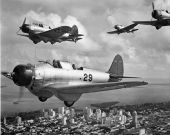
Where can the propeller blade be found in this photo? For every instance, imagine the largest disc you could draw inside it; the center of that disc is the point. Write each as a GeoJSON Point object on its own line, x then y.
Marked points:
{"type": "Point", "coordinates": [7, 74]}
{"type": "Point", "coordinates": [18, 30]}
{"type": "Point", "coordinates": [21, 93]}
{"type": "Point", "coordinates": [24, 21]}
{"type": "Point", "coordinates": [153, 6]}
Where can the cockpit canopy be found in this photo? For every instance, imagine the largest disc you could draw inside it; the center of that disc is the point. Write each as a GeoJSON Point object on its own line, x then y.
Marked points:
{"type": "Point", "coordinates": [63, 65]}
{"type": "Point", "coordinates": [41, 25]}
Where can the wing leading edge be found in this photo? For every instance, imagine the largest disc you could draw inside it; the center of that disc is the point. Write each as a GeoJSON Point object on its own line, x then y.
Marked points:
{"type": "Point", "coordinates": [127, 28]}
{"type": "Point", "coordinates": [96, 87]}
{"type": "Point", "coordinates": [145, 22]}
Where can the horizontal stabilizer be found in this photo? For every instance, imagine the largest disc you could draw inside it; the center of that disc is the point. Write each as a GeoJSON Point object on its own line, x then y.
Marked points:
{"type": "Point", "coordinates": [113, 32]}
{"type": "Point", "coordinates": [79, 35]}
{"type": "Point", "coordinates": [117, 77]}
{"type": "Point", "coordinates": [78, 39]}
{"type": "Point", "coordinates": [6, 74]}
{"type": "Point", "coordinates": [23, 35]}
{"type": "Point", "coordinates": [134, 30]}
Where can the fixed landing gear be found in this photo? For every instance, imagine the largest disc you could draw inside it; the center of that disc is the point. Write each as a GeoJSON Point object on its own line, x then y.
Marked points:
{"type": "Point", "coordinates": [158, 27]}
{"type": "Point", "coordinates": [42, 99]}
{"type": "Point", "coordinates": [68, 104]}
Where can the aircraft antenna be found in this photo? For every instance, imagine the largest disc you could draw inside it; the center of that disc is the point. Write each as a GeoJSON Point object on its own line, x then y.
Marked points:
{"type": "Point", "coordinates": [35, 54]}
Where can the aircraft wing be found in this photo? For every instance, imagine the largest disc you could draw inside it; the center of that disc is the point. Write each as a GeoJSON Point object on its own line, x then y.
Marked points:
{"type": "Point", "coordinates": [127, 28]}
{"type": "Point", "coordinates": [56, 32]}
{"type": "Point", "coordinates": [114, 32]}
{"type": "Point", "coordinates": [145, 22]}
{"type": "Point", "coordinates": [93, 87]}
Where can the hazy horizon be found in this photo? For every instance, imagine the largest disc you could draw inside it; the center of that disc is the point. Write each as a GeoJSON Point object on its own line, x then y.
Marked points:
{"type": "Point", "coordinates": [144, 94]}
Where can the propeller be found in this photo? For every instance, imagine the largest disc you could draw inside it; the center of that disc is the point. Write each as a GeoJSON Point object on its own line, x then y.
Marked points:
{"type": "Point", "coordinates": [21, 93]}
{"type": "Point", "coordinates": [153, 6]}
{"type": "Point", "coordinates": [153, 11]}
{"type": "Point", "coordinates": [23, 27]}
{"type": "Point", "coordinates": [22, 76]}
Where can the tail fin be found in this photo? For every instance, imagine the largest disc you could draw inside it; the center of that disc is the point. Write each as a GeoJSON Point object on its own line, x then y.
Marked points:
{"type": "Point", "coordinates": [116, 69]}
{"type": "Point", "coordinates": [74, 31]}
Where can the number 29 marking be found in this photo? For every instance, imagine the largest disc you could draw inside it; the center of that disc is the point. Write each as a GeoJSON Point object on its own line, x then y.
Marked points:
{"type": "Point", "coordinates": [88, 77]}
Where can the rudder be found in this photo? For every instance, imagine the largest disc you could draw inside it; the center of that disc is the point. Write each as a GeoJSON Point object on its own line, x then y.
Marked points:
{"type": "Point", "coordinates": [74, 30]}
{"type": "Point", "coordinates": [116, 68]}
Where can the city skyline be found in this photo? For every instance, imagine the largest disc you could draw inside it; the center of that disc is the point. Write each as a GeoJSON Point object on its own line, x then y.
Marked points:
{"type": "Point", "coordinates": [144, 119]}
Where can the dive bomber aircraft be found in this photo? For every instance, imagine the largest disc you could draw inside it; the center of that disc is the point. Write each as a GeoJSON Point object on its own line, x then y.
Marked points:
{"type": "Point", "coordinates": [66, 81]}
{"type": "Point", "coordinates": [162, 18]}
{"type": "Point", "coordinates": [121, 29]}
{"type": "Point", "coordinates": [38, 32]}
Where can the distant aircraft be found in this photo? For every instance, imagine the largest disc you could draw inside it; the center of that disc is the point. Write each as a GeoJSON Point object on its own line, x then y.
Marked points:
{"type": "Point", "coordinates": [38, 32]}
{"type": "Point", "coordinates": [66, 81]}
{"type": "Point", "coordinates": [121, 29]}
{"type": "Point", "coordinates": [162, 18]}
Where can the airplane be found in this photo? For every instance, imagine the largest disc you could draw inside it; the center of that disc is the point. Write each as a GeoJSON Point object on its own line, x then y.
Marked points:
{"type": "Point", "coordinates": [162, 18]}
{"type": "Point", "coordinates": [68, 82]}
{"type": "Point", "coordinates": [121, 29]}
{"type": "Point", "coordinates": [38, 32]}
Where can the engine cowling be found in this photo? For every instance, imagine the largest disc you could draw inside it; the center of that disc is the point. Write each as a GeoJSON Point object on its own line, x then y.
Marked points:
{"type": "Point", "coordinates": [22, 75]}
{"type": "Point", "coordinates": [156, 14]}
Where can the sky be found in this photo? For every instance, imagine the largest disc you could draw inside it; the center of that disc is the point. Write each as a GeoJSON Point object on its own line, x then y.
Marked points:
{"type": "Point", "coordinates": [146, 53]}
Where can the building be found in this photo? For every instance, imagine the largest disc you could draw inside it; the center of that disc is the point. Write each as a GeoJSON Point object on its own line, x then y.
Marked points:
{"type": "Point", "coordinates": [123, 120]}
{"type": "Point", "coordinates": [108, 121]}
{"type": "Point", "coordinates": [98, 114]}
{"type": "Point", "coordinates": [103, 120]}
{"type": "Point", "coordinates": [129, 114]}
{"type": "Point", "coordinates": [18, 120]}
{"type": "Point", "coordinates": [103, 114]}
{"type": "Point", "coordinates": [72, 121]}
{"type": "Point", "coordinates": [64, 120]}
{"type": "Point", "coordinates": [52, 113]}
{"type": "Point", "coordinates": [135, 122]}
{"type": "Point", "coordinates": [67, 111]}
{"type": "Point", "coordinates": [4, 121]}
{"type": "Point", "coordinates": [120, 112]}
{"type": "Point", "coordinates": [61, 111]}
{"type": "Point", "coordinates": [142, 131]}
{"type": "Point", "coordinates": [45, 113]}
{"type": "Point", "coordinates": [72, 112]}
{"type": "Point", "coordinates": [87, 113]}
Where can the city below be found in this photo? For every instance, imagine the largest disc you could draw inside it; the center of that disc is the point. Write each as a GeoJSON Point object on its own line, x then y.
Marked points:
{"type": "Point", "coordinates": [104, 119]}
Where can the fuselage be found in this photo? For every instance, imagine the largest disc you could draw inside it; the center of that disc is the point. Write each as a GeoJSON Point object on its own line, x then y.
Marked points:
{"type": "Point", "coordinates": [46, 74]}
{"type": "Point", "coordinates": [35, 29]}
{"type": "Point", "coordinates": [160, 14]}
{"type": "Point", "coordinates": [120, 29]}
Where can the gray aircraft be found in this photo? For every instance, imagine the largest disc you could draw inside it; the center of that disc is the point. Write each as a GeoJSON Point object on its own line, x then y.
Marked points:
{"type": "Point", "coordinates": [121, 29]}
{"type": "Point", "coordinates": [162, 18]}
{"type": "Point", "coordinates": [66, 81]}
{"type": "Point", "coordinates": [38, 32]}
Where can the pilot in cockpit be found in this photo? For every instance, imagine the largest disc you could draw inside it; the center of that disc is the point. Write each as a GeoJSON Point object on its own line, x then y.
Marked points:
{"type": "Point", "coordinates": [56, 64]}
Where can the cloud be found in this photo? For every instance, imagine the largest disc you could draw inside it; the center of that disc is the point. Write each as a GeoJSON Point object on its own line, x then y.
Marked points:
{"type": "Point", "coordinates": [162, 4]}
{"type": "Point", "coordinates": [142, 50]}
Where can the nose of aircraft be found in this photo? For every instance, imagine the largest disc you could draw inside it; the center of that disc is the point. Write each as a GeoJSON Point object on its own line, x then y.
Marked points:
{"type": "Point", "coordinates": [22, 75]}
{"type": "Point", "coordinates": [116, 26]}
{"type": "Point", "coordinates": [25, 28]}
{"type": "Point", "coordinates": [155, 14]}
